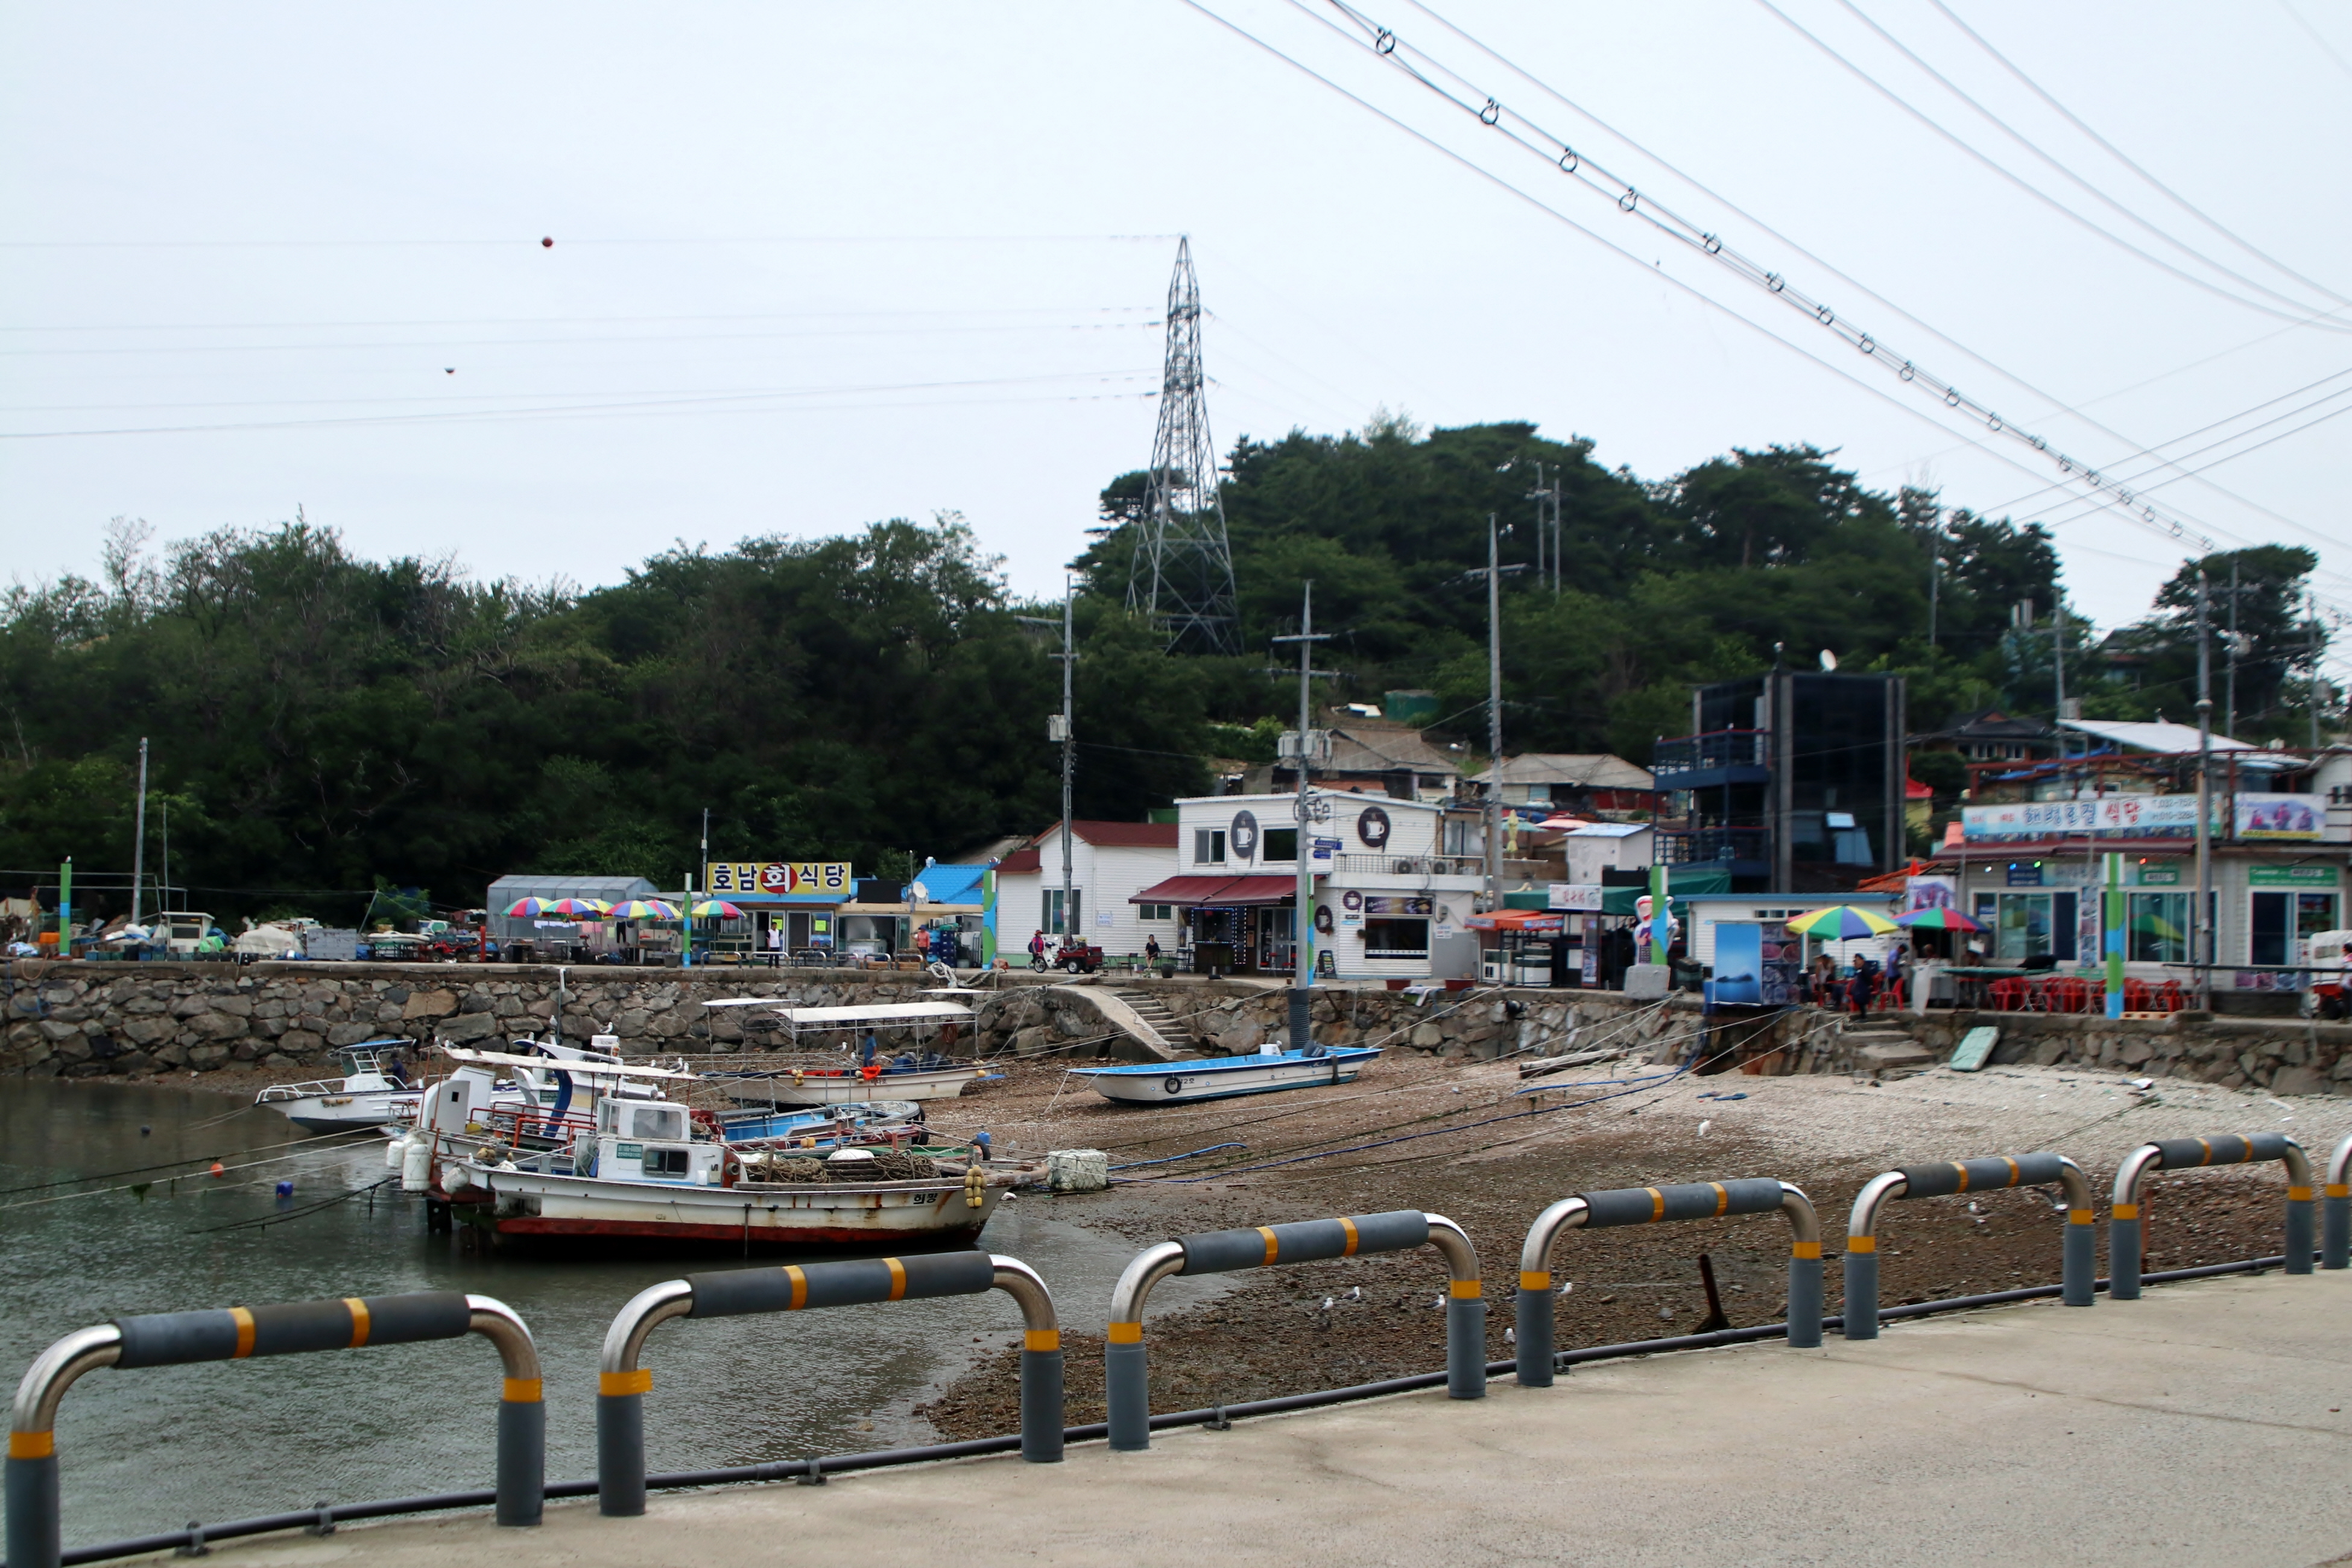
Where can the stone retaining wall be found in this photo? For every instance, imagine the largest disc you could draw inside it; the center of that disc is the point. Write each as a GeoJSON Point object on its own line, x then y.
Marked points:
{"type": "Point", "coordinates": [2284, 1056]}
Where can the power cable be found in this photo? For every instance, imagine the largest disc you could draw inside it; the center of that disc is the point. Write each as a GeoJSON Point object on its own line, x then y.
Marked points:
{"type": "Point", "coordinates": [2035, 191]}
{"type": "Point", "coordinates": [2316, 37]}
{"type": "Point", "coordinates": [1383, 43]}
{"type": "Point", "coordinates": [2030, 146]}
{"type": "Point", "coordinates": [2120, 156]}
{"type": "Point", "coordinates": [150, 349]}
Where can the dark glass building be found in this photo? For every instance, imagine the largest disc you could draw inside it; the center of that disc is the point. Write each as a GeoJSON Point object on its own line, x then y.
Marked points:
{"type": "Point", "coordinates": [1793, 781]}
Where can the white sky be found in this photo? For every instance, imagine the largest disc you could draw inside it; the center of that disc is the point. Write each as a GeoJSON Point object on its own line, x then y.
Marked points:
{"type": "Point", "coordinates": [842, 262]}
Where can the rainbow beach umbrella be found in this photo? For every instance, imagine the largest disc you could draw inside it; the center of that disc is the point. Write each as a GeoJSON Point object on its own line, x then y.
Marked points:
{"type": "Point", "coordinates": [527, 908]}
{"type": "Point", "coordinates": [586, 909]}
{"type": "Point", "coordinates": [1841, 922]}
{"type": "Point", "coordinates": [643, 910]}
{"type": "Point", "coordinates": [717, 909]}
{"type": "Point", "coordinates": [1937, 920]}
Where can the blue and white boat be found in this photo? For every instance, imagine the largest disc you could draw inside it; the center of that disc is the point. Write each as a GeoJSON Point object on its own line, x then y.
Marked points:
{"type": "Point", "coordinates": [1221, 1077]}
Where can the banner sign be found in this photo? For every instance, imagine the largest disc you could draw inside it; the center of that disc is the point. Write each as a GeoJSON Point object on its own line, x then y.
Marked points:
{"type": "Point", "coordinates": [2291, 877]}
{"type": "Point", "coordinates": [752, 877]}
{"type": "Point", "coordinates": [1581, 897]}
{"type": "Point", "coordinates": [2268, 817]}
{"type": "Point", "coordinates": [1376, 905]}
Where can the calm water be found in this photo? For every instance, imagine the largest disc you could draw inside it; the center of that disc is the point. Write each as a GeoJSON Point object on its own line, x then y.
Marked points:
{"type": "Point", "coordinates": [152, 1448]}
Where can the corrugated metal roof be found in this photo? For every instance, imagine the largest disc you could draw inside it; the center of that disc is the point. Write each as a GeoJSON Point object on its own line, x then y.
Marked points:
{"type": "Point", "coordinates": [2161, 736]}
{"type": "Point", "coordinates": [1596, 770]}
{"type": "Point", "coordinates": [523, 886]}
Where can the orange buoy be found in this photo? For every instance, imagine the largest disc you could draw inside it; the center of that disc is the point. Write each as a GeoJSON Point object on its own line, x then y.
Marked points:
{"type": "Point", "coordinates": [218, 1169]}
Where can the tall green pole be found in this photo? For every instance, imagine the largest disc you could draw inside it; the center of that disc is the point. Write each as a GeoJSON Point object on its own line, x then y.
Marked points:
{"type": "Point", "coordinates": [65, 909]}
{"type": "Point", "coordinates": [2115, 930]}
{"type": "Point", "coordinates": [1661, 914]}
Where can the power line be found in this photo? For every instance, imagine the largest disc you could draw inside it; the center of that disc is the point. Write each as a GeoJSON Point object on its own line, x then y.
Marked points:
{"type": "Point", "coordinates": [2028, 187]}
{"type": "Point", "coordinates": [119, 351]}
{"type": "Point", "coordinates": [2316, 37]}
{"type": "Point", "coordinates": [2124, 158]}
{"type": "Point", "coordinates": [2030, 146]}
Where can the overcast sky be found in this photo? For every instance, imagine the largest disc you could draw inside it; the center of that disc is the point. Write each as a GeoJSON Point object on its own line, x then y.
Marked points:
{"type": "Point", "coordinates": [818, 265]}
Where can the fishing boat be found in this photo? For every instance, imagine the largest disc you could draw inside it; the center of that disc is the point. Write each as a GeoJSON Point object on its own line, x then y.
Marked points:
{"type": "Point", "coordinates": [915, 1074]}
{"type": "Point", "coordinates": [378, 1089]}
{"type": "Point", "coordinates": [831, 1125]}
{"type": "Point", "coordinates": [1187, 1083]}
{"type": "Point", "coordinates": [644, 1176]}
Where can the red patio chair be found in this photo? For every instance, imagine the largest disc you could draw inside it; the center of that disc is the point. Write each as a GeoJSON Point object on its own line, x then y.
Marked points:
{"type": "Point", "coordinates": [2068, 993]}
{"type": "Point", "coordinates": [2009, 996]}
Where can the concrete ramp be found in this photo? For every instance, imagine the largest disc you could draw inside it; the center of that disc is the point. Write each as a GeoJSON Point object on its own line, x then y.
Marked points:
{"type": "Point", "coordinates": [1141, 1041]}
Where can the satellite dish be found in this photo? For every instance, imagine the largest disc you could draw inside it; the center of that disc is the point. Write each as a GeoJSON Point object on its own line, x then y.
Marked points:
{"type": "Point", "coordinates": [1829, 660]}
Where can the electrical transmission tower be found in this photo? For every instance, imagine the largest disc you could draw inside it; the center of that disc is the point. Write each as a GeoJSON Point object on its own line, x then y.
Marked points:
{"type": "Point", "coordinates": [1182, 572]}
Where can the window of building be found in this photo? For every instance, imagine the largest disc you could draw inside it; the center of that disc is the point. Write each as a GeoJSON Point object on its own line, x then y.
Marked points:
{"type": "Point", "coordinates": [1050, 916]}
{"type": "Point", "coordinates": [2283, 925]}
{"type": "Point", "coordinates": [2028, 925]}
{"type": "Point", "coordinates": [1396, 939]}
{"type": "Point", "coordinates": [1156, 911]}
{"type": "Point", "coordinates": [2157, 929]}
{"type": "Point", "coordinates": [1281, 843]}
{"type": "Point", "coordinates": [1208, 846]}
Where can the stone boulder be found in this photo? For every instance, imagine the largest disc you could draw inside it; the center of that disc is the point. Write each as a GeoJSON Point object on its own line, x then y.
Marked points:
{"type": "Point", "coordinates": [429, 1005]}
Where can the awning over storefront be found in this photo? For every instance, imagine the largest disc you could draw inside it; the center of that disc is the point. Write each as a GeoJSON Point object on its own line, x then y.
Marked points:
{"type": "Point", "coordinates": [1219, 892]}
{"type": "Point", "coordinates": [1527, 923]}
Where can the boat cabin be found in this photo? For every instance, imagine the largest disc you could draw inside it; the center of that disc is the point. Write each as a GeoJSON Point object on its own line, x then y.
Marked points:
{"type": "Point", "coordinates": [641, 1143]}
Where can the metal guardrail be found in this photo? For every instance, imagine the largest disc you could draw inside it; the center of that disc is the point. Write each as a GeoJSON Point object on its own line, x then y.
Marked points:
{"type": "Point", "coordinates": [621, 1384]}
{"type": "Point", "coordinates": [1126, 1369]}
{"type": "Point", "coordinates": [235, 1334]}
{"type": "Point", "coordinates": [2078, 1257]}
{"type": "Point", "coordinates": [2190, 1154]}
{"type": "Point", "coordinates": [1653, 1206]}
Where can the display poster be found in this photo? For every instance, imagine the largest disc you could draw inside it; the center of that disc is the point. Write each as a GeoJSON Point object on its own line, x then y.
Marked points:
{"type": "Point", "coordinates": [1784, 964]}
{"type": "Point", "coordinates": [754, 877]}
{"type": "Point", "coordinates": [1377, 904]}
{"type": "Point", "coordinates": [2274, 817]}
{"type": "Point", "coordinates": [1931, 893]}
{"type": "Point", "coordinates": [1740, 962]}
{"type": "Point", "coordinates": [1578, 897]}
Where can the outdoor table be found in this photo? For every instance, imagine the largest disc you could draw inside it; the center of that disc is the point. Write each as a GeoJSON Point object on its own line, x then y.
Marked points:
{"type": "Point", "coordinates": [1972, 985]}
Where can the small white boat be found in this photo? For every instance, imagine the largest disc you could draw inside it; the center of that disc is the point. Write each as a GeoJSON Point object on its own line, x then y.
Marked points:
{"type": "Point", "coordinates": [644, 1175]}
{"type": "Point", "coordinates": [374, 1091]}
{"type": "Point", "coordinates": [1184, 1083]}
{"type": "Point", "coordinates": [848, 1086]}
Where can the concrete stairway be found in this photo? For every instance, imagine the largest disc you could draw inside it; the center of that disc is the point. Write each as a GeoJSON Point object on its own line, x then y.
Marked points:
{"type": "Point", "coordinates": [1880, 1047]}
{"type": "Point", "coordinates": [1165, 1029]}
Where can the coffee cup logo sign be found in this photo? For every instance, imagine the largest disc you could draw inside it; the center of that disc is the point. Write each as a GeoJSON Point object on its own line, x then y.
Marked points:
{"type": "Point", "coordinates": [1372, 827]}
{"type": "Point", "coordinates": [1242, 837]}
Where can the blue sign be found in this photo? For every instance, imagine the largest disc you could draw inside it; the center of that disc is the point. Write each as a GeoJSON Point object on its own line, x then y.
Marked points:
{"type": "Point", "coordinates": [2025, 873]}
{"type": "Point", "coordinates": [1740, 962]}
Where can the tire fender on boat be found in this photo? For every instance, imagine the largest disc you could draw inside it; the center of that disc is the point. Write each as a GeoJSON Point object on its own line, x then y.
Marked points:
{"type": "Point", "coordinates": [1173, 1084]}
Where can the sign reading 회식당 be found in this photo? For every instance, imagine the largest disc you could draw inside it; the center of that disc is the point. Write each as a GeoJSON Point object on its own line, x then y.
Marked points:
{"type": "Point", "coordinates": [752, 878]}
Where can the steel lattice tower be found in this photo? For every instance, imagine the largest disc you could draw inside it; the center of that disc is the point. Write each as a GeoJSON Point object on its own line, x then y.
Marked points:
{"type": "Point", "coordinates": [1182, 572]}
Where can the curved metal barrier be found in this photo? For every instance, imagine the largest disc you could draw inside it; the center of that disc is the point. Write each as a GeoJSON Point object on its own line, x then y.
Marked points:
{"type": "Point", "coordinates": [2335, 1210]}
{"type": "Point", "coordinates": [2188, 1153]}
{"type": "Point", "coordinates": [233, 1333]}
{"type": "Point", "coordinates": [1655, 1205]}
{"type": "Point", "coordinates": [621, 1384]}
{"type": "Point", "coordinates": [1949, 1178]}
{"type": "Point", "coordinates": [1126, 1369]}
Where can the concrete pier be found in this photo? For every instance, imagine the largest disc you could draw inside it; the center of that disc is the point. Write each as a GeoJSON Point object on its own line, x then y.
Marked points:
{"type": "Point", "coordinates": [2210, 1421]}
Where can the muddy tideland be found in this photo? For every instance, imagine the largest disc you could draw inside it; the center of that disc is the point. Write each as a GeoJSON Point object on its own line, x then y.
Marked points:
{"type": "Point", "coordinates": [1462, 1139]}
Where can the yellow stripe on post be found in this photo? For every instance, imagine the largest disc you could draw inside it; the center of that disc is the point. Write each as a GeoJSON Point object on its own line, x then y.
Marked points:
{"type": "Point", "coordinates": [2013, 1172]}
{"type": "Point", "coordinates": [1464, 1289]}
{"type": "Point", "coordinates": [32, 1445]}
{"type": "Point", "coordinates": [799, 1286]}
{"type": "Point", "coordinates": [1804, 1249]}
{"type": "Point", "coordinates": [243, 1317]}
{"type": "Point", "coordinates": [1042, 1339]}
{"type": "Point", "coordinates": [1534, 1281]}
{"type": "Point", "coordinates": [1963, 1172]}
{"type": "Point", "coordinates": [1273, 1242]}
{"type": "Point", "coordinates": [1722, 1198]}
{"type": "Point", "coordinates": [1657, 1205]}
{"type": "Point", "coordinates": [2339, 1189]}
{"type": "Point", "coordinates": [619, 1383]}
{"type": "Point", "coordinates": [2123, 1211]}
{"type": "Point", "coordinates": [2081, 1216]}
{"type": "Point", "coordinates": [1124, 1333]}
{"type": "Point", "coordinates": [2206, 1144]}
{"type": "Point", "coordinates": [1857, 1244]}
{"type": "Point", "coordinates": [360, 1321]}
{"type": "Point", "coordinates": [2298, 1195]}
{"type": "Point", "coordinates": [1349, 1227]}
{"type": "Point", "coordinates": [897, 1278]}
{"type": "Point", "coordinates": [522, 1391]}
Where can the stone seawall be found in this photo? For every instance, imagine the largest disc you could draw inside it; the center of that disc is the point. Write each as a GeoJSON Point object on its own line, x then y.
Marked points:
{"type": "Point", "coordinates": [2286, 1056]}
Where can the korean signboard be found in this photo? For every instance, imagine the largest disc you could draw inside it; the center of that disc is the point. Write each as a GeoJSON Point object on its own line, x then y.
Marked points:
{"type": "Point", "coordinates": [2268, 817]}
{"type": "Point", "coordinates": [771, 878]}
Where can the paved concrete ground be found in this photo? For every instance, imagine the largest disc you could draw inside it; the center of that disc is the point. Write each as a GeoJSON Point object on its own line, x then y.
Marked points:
{"type": "Point", "coordinates": [2209, 1422]}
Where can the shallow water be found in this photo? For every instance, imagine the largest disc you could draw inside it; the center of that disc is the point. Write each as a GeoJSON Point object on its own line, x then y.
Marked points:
{"type": "Point", "coordinates": [152, 1448]}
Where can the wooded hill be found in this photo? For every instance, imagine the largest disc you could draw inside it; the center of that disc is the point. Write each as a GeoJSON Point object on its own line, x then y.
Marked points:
{"type": "Point", "coordinates": [322, 725]}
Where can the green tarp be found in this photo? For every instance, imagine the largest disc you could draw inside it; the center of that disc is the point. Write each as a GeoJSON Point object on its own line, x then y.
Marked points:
{"type": "Point", "coordinates": [1681, 881]}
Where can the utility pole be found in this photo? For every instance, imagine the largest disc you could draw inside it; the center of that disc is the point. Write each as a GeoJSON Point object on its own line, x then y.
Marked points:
{"type": "Point", "coordinates": [1069, 759]}
{"type": "Point", "coordinates": [1935, 573]}
{"type": "Point", "coordinates": [686, 954]}
{"type": "Point", "coordinates": [1302, 941]}
{"type": "Point", "coordinates": [2202, 925]}
{"type": "Point", "coordinates": [139, 836]}
{"type": "Point", "coordinates": [1494, 715]}
{"type": "Point", "coordinates": [2230, 724]}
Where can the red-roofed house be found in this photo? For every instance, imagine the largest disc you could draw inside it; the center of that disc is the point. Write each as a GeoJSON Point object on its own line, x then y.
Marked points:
{"type": "Point", "coordinates": [1109, 863]}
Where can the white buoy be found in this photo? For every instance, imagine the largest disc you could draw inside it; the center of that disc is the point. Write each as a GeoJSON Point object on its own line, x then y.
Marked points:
{"type": "Point", "coordinates": [394, 1149]}
{"type": "Point", "coordinates": [416, 1163]}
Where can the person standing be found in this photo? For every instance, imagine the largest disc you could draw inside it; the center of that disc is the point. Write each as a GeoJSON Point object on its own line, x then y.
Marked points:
{"type": "Point", "coordinates": [1037, 950]}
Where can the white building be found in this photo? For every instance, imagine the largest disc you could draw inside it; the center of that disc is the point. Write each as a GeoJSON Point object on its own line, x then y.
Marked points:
{"type": "Point", "coordinates": [1605, 845]}
{"type": "Point", "coordinates": [1388, 903]}
{"type": "Point", "coordinates": [1109, 863]}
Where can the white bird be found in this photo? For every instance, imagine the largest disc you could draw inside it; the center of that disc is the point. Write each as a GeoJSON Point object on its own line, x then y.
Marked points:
{"type": "Point", "coordinates": [1327, 1303]}
{"type": "Point", "coordinates": [1510, 1337]}
{"type": "Point", "coordinates": [1357, 1294]}
{"type": "Point", "coordinates": [1566, 1286]}
{"type": "Point", "coordinates": [1441, 1303]}
{"type": "Point", "coordinates": [1704, 1126]}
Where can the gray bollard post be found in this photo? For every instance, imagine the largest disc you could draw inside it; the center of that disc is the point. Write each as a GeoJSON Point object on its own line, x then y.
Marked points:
{"type": "Point", "coordinates": [1860, 1287]}
{"type": "Point", "coordinates": [2299, 1224]}
{"type": "Point", "coordinates": [1128, 1392]}
{"type": "Point", "coordinates": [2123, 1252]}
{"type": "Point", "coordinates": [1805, 1295]}
{"type": "Point", "coordinates": [32, 1501]}
{"type": "Point", "coordinates": [1466, 1341]}
{"type": "Point", "coordinates": [1532, 1318]}
{"type": "Point", "coordinates": [621, 1442]}
{"type": "Point", "coordinates": [2079, 1265]}
{"type": "Point", "coordinates": [2123, 1232]}
{"type": "Point", "coordinates": [1041, 1396]}
{"type": "Point", "coordinates": [522, 1453]}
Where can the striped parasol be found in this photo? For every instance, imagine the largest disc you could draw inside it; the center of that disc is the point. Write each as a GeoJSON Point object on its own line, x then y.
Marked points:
{"type": "Point", "coordinates": [643, 910]}
{"type": "Point", "coordinates": [1841, 922]}
{"type": "Point", "coordinates": [1944, 919]}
